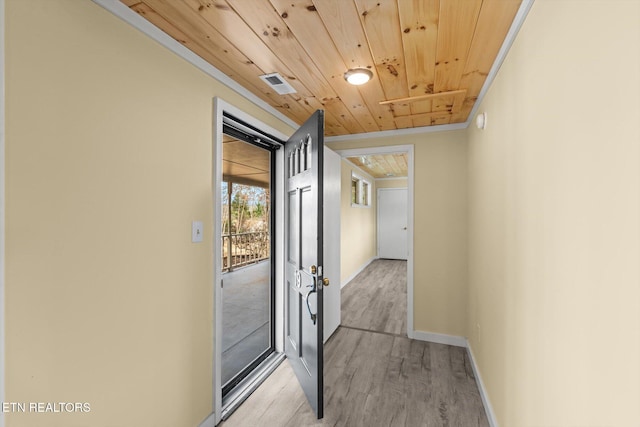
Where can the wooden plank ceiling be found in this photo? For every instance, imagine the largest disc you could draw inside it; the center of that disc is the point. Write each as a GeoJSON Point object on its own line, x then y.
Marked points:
{"type": "Point", "coordinates": [382, 165]}
{"type": "Point", "coordinates": [243, 163]}
{"type": "Point", "coordinates": [429, 58]}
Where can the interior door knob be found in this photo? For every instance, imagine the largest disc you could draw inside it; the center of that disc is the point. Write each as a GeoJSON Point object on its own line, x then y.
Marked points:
{"type": "Point", "coordinates": [325, 281]}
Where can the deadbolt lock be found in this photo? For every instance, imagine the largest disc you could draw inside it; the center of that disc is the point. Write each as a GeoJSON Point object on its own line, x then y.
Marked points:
{"type": "Point", "coordinates": [313, 269]}
{"type": "Point", "coordinates": [325, 281]}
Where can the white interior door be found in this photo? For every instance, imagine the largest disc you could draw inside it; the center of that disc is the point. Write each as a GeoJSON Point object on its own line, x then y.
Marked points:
{"type": "Point", "coordinates": [392, 223]}
{"type": "Point", "coordinates": [332, 178]}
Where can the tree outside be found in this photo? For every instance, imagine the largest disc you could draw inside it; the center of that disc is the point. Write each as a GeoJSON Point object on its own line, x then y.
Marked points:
{"type": "Point", "coordinates": [246, 231]}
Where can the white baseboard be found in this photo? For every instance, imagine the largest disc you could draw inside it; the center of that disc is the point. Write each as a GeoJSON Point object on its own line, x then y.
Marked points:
{"type": "Point", "coordinates": [210, 421]}
{"type": "Point", "coordinates": [353, 276]}
{"type": "Point", "coordinates": [493, 422]}
{"type": "Point", "coordinates": [440, 338]}
{"type": "Point", "coordinates": [462, 342]}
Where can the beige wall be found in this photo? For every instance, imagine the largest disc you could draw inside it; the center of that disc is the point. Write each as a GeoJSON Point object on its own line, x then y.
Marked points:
{"type": "Point", "coordinates": [358, 233]}
{"type": "Point", "coordinates": [440, 242]}
{"type": "Point", "coordinates": [108, 152]}
{"type": "Point", "coordinates": [392, 183]}
{"type": "Point", "coordinates": [554, 190]}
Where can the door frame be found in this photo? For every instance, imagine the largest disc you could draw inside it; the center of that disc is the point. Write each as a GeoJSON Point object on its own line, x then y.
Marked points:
{"type": "Point", "coordinates": [219, 108]}
{"type": "Point", "coordinates": [389, 149]}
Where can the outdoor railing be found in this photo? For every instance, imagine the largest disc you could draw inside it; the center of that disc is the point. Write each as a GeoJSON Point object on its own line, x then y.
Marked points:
{"type": "Point", "coordinates": [243, 249]}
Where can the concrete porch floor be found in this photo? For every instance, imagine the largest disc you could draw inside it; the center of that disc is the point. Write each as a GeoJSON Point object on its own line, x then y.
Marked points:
{"type": "Point", "coordinates": [245, 316]}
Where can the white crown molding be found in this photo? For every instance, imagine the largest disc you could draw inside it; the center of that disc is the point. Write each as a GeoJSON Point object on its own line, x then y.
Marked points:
{"type": "Point", "coordinates": [396, 132]}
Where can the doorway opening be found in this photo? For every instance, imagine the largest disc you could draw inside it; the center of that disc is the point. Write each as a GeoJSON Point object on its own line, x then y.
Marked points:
{"type": "Point", "coordinates": [248, 326]}
{"type": "Point", "coordinates": [255, 186]}
{"type": "Point", "coordinates": [247, 253]}
{"type": "Point", "coordinates": [392, 259]}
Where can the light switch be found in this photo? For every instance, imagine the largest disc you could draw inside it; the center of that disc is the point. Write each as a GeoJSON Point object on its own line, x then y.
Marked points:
{"type": "Point", "coordinates": [196, 231]}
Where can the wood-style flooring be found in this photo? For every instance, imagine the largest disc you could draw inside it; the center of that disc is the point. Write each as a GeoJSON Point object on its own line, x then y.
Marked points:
{"type": "Point", "coordinates": [374, 377]}
{"type": "Point", "coordinates": [376, 299]}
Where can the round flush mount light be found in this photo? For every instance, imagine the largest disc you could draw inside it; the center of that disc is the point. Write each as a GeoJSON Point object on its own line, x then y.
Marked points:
{"type": "Point", "coordinates": [358, 76]}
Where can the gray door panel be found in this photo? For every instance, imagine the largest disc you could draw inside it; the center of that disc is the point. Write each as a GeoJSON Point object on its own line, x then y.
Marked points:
{"type": "Point", "coordinates": [303, 270]}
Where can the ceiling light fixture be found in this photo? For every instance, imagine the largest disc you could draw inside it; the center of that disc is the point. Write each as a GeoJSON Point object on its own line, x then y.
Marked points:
{"type": "Point", "coordinates": [358, 76]}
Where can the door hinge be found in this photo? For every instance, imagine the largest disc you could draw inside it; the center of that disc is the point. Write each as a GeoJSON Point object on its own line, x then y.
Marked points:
{"type": "Point", "coordinates": [221, 283]}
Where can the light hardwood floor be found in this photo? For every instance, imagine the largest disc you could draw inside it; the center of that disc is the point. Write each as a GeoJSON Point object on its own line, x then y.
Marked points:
{"type": "Point", "coordinates": [376, 299]}
{"type": "Point", "coordinates": [373, 378]}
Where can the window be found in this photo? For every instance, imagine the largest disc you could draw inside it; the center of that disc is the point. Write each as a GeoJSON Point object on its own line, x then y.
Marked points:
{"type": "Point", "coordinates": [355, 190]}
{"type": "Point", "coordinates": [360, 191]}
{"type": "Point", "coordinates": [365, 193]}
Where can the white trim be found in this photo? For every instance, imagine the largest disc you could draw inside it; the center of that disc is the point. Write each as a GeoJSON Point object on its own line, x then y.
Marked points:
{"type": "Point", "coordinates": [346, 281]}
{"type": "Point", "coordinates": [491, 416]}
{"type": "Point", "coordinates": [219, 107]}
{"type": "Point", "coordinates": [2, 208]}
{"type": "Point", "coordinates": [453, 340]}
{"type": "Point", "coordinates": [210, 421]}
{"type": "Point", "coordinates": [387, 149]}
{"type": "Point", "coordinates": [362, 174]}
{"type": "Point", "coordinates": [391, 178]}
{"type": "Point", "coordinates": [458, 341]}
{"type": "Point", "coordinates": [410, 231]}
{"type": "Point", "coordinates": [396, 132]}
{"type": "Point", "coordinates": [409, 149]}
{"type": "Point", "coordinates": [123, 12]}
{"type": "Point", "coordinates": [279, 237]}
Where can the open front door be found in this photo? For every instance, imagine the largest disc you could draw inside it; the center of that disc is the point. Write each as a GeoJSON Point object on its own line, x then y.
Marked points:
{"type": "Point", "coordinates": [303, 248]}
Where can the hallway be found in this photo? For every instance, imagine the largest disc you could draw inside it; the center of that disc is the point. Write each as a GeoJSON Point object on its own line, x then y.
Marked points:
{"type": "Point", "coordinates": [376, 299]}
{"type": "Point", "coordinates": [374, 375]}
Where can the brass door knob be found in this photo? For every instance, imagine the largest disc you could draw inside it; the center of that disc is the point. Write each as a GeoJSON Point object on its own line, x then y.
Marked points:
{"type": "Point", "coordinates": [325, 281]}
